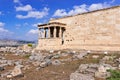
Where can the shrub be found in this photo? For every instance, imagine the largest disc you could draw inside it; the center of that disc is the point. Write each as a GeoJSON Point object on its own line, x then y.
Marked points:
{"type": "Point", "coordinates": [115, 75]}
{"type": "Point", "coordinates": [30, 45]}
{"type": "Point", "coordinates": [27, 56]}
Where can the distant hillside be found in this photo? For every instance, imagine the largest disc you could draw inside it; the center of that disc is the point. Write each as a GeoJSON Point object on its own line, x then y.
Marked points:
{"type": "Point", "coordinates": [7, 42]}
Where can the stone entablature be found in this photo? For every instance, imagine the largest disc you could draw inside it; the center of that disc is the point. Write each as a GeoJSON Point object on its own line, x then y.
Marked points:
{"type": "Point", "coordinates": [52, 30]}
{"type": "Point", "coordinates": [96, 30]}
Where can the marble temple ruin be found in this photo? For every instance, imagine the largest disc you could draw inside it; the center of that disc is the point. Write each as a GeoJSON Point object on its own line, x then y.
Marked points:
{"type": "Point", "coordinates": [94, 30]}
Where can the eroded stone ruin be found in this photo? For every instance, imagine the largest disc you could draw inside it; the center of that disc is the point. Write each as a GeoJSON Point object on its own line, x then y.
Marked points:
{"type": "Point", "coordinates": [95, 30]}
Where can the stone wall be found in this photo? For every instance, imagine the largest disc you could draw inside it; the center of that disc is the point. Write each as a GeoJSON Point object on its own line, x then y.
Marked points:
{"type": "Point", "coordinates": [97, 30]}
{"type": "Point", "coordinates": [49, 44]}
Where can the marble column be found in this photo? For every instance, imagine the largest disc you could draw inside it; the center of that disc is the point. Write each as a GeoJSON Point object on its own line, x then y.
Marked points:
{"type": "Point", "coordinates": [39, 33]}
{"type": "Point", "coordinates": [60, 32]}
{"type": "Point", "coordinates": [43, 32]}
{"type": "Point", "coordinates": [48, 32]}
{"type": "Point", "coordinates": [54, 32]}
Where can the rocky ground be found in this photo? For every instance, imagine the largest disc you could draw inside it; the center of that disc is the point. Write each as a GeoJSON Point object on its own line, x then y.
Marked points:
{"type": "Point", "coordinates": [18, 64]}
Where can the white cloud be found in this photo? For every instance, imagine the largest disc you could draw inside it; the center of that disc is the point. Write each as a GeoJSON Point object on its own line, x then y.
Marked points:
{"type": "Point", "coordinates": [17, 1]}
{"type": "Point", "coordinates": [98, 6]}
{"type": "Point", "coordinates": [60, 12]}
{"type": "Point", "coordinates": [4, 33]}
{"type": "Point", "coordinates": [33, 31]}
{"type": "Point", "coordinates": [74, 11]}
{"type": "Point", "coordinates": [0, 13]}
{"type": "Point", "coordinates": [36, 24]}
{"type": "Point", "coordinates": [18, 26]}
{"type": "Point", "coordinates": [3, 30]}
{"type": "Point", "coordinates": [80, 9]}
{"type": "Point", "coordinates": [112, 1]}
{"type": "Point", "coordinates": [32, 34]}
{"type": "Point", "coordinates": [24, 8]}
{"type": "Point", "coordinates": [34, 14]}
{"type": "Point", "coordinates": [25, 24]}
{"type": "Point", "coordinates": [2, 24]}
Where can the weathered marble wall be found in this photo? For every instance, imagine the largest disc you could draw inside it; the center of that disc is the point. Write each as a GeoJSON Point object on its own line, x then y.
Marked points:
{"type": "Point", "coordinates": [97, 30]}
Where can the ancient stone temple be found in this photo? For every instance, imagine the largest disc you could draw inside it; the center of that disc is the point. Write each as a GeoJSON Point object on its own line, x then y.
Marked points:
{"type": "Point", "coordinates": [95, 30]}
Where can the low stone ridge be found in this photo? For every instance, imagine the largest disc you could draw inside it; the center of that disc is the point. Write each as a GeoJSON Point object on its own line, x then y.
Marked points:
{"type": "Point", "coordinates": [79, 76]}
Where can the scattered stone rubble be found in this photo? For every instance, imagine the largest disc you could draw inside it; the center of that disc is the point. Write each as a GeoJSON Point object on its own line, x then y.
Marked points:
{"type": "Point", "coordinates": [15, 72]}
{"type": "Point", "coordinates": [79, 76]}
{"type": "Point", "coordinates": [92, 71]}
{"type": "Point", "coordinates": [16, 50]}
{"type": "Point", "coordinates": [41, 60]}
{"type": "Point", "coordinates": [89, 71]}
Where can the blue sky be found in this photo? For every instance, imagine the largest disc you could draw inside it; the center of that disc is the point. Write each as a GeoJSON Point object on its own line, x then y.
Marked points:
{"type": "Point", "coordinates": [19, 18]}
